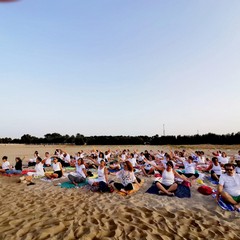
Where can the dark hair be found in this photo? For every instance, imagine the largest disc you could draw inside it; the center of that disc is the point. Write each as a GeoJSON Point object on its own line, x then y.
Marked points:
{"type": "Point", "coordinates": [190, 157]}
{"type": "Point", "coordinates": [39, 159]}
{"type": "Point", "coordinates": [81, 159]}
{"type": "Point", "coordinates": [101, 155]}
{"type": "Point", "coordinates": [4, 158]}
{"type": "Point", "coordinates": [229, 165]}
{"type": "Point", "coordinates": [169, 163]}
{"type": "Point", "coordinates": [214, 159]}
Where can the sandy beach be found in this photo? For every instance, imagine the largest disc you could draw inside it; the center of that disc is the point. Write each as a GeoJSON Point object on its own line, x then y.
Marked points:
{"type": "Point", "coordinates": [46, 211]}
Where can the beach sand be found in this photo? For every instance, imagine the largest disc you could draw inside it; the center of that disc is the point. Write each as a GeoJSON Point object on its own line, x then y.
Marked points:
{"type": "Point", "coordinates": [45, 211]}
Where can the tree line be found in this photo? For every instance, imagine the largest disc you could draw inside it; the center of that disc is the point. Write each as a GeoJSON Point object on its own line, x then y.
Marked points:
{"type": "Point", "coordinates": [79, 139]}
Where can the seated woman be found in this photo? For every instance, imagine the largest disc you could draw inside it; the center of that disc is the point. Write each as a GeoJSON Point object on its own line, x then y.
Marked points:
{"type": "Point", "coordinates": [189, 167]}
{"type": "Point", "coordinates": [80, 175]}
{"type": "Point", "coordinates": [57, 170]}
{"type": "Point", "coordinates": [149, 166]}
{"type": "Point", "coordinates": [216, 170]}
{"type": "Point", "coordinates": [168, 184]}
{"type": "Point", "coordinates": [115, 165]}
{"type": "Point", "coordinates": [39, 171]}
{"type": "Point", "coordinates": [18, 167]}
{"type": "Point", "coordinates": [127, 177]}
{"type": "Point", "coordinates": [47, 161]}
{"type": "Point", "coordinates": [5, 165]}
{"type": "Point", "coordinates": [102, 180]}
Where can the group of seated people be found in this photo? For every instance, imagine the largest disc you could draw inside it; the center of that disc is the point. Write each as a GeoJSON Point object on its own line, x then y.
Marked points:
{"type": "Point", "coordinates": [125, 164]}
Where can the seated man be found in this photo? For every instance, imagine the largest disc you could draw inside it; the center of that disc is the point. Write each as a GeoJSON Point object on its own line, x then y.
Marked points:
{"type": "Point", "coordinates": [229, 186]}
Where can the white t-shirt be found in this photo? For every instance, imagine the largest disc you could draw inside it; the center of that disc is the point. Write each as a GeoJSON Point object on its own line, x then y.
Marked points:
{"type": "Point", "coordinates": [48, 161]}
{"type": "Point", "coordinates": [126, 177]}
{"type": "Point", "coordinates": [231, 184]}
{"type": "Point", "coordinates": [189, 167]}
{"type": "Point", "coordinates": [5, 165]}
{"type": "Point", "coordinates": [79, 170]}
{"type": "Point", "coordinates": [148, 166]}
{"type": "Point", "coordinates": [133, 161]}
{"type": "Point", "coordinates": [223, 160]}
{"type": "Point", "coordinates": [39, 169]}
{"type": "Point", "coordinates": [67, 159]}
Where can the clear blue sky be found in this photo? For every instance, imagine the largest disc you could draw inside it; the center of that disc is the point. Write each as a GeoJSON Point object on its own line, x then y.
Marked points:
{"type": "Point", "coordinates": [106, 67]}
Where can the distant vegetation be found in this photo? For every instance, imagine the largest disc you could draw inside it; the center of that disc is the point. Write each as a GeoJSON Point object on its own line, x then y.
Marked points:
{"type": "Point", "coordinates": [79, 139]}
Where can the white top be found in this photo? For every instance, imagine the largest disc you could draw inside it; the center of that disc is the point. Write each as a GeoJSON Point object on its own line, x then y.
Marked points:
{"type": "Point", "coordinates": [231, 184]}
{"type": "Point", "coordinates": [223, 160]}
{"type": "Point", "coordinates": [237, 157]}
{"type": "Point", "coordinates": [133, 161]}
{"type": "Point", "coordinates": [56, 167]}
{"type": "Point", "coordinates": [148, 166]}
{"type": "Point", "coordinates": [201, 160]}
{"type": "Point", "coordinates": [126, 177]}
{"type": "Point", "coordinates": [189, 167]}
{"type": "Point", "coordinates": [167, 178]}
{"type": "Point", "coordinates": [39, 169]}
{"type": "Point", "coordinates": [217, 169]}
{"type": "Point", "coordinates": [100, 159]}
{"type": "Point", "coordinates": [48, 161]}
{"type": "Point", "coordinates": [5, 165]}
{"type": "Point", "coordinates": [79, 170]}
{"type": "Point", "coordinates": [67, 159]}
{"type": "Point", "coordinates": [101, 175]}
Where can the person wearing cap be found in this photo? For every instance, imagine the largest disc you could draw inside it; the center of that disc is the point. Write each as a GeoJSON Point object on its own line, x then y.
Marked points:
{"type": "Point", "coordinates": [229, 186]}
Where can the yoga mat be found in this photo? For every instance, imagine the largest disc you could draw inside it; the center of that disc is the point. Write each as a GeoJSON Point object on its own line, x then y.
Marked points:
{"type": "Point", "coordinates": [71, 185]}
{"type": "Point", "coordinates": [225, 206]}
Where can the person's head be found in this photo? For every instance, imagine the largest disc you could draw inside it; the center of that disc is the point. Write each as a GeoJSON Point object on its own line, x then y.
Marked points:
{"type": "Point", "coordinates": [46, 154]}
{"type": "Point", "coordinates": [80, 161]}
{"type": "Point", "coordinates": [38, 160]}
{"type": "Point", "coordinates": [101, 155]}
{"type": "Point", "coordinates": [55, 160]}
{"type": "Point", "coordinates": [190, 159]}
{"type": "Point", "coordinates": [167, 156]}
{"type": "Point", "coordinates": [4, 158]}
{"type": "Point", "coordinates": [169, 165]}
{"type": "Point", "coordinates": [229, 168]}
{"type": "Point", "coordinates": [128, 166]}
{"type": "Point", "coordinates": [132, 155]}
{"type": "Point", "coordinates": [102, 163]}
{"type": "Point", "coordinates": [239, 152]}
{"type": "Point", "coordinates": [224, 154]}
{"type": "Point", "coordinates": [36, 153]}
{"type": "Point", "coordinates": [215, 160]}
{"type": "Point", "coordinates": [18, 159]}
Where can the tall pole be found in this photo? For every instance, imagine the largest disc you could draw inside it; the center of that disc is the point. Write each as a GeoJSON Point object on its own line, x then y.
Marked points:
{"type": "Point", "coordinates": [163, 129]}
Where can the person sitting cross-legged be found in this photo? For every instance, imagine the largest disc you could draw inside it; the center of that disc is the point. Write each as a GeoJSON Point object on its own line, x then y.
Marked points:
{"type": "Point", "coordinates": [229, 186]}
{"type": "Point", "coordinates": [80, 175]}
